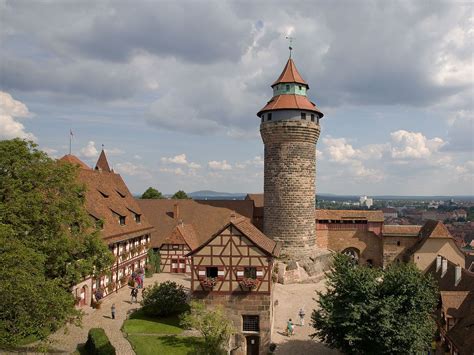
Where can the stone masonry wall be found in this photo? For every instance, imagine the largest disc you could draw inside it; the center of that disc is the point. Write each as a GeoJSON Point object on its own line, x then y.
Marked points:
{"type": "Point", "coordinates": [289, 185]}
{"type": "Point", "coordinates": [236, 305]}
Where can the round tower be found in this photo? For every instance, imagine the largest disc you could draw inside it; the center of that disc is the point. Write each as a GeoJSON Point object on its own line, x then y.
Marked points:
{"type": "Point", "coordinates": [290, 129]}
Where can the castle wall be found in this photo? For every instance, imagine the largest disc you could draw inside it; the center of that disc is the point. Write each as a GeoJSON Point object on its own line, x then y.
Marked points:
{"type": "Point", "coordinates": [289, 185]}
{"type": "Point", "coordinates": [395, 247]}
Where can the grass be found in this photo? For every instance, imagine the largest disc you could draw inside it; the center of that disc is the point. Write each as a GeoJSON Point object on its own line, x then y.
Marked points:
{"type": "Point", "coordinates": [141, 323]}
{"type": "Point", "coordinates": [173, 345]}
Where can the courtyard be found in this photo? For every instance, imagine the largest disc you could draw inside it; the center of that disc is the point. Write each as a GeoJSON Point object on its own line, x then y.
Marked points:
{"type": "Point", "coordinates": [147, 336]}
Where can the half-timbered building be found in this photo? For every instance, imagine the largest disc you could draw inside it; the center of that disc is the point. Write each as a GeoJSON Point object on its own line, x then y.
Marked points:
{"type": "Point", "coordinates": [122, 225]}
{"type": "Point", "coordinates": [233, 268]}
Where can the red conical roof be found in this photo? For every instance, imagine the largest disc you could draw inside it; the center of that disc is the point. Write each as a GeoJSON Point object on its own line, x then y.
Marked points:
{"type": "Point", "coordinates": [102, 163]}
{"type": "Point", "coordinates": [290, 75]}
{"type": "Point", "coordinates": [290, 102]}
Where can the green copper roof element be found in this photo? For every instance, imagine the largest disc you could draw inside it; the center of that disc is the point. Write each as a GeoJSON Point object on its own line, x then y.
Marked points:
{"type": "Point", "coordinates": [289, 88]}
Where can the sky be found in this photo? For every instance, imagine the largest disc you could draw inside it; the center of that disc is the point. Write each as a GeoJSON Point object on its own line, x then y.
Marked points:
{"type": "Point", "coordinates": [171, 89]}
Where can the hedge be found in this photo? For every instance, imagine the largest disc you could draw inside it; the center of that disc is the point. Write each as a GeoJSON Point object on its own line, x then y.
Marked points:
{"type": "Point", "coordinates": [98, 343]}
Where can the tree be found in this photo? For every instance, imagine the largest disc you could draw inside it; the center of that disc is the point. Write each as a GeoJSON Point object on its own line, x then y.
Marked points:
{"type": "Point", "coordinates": [32, 305]}
{"type": "Point", "coordinates": [213, 324]}
{"type": "Point", "coordinates": [44, 205]}
{"type": "Point", "coordinates": [152, 194]}
{"type": "Point", "coordinates": [164, 299]}
{"type": "Point", "coordinates": [373, 311]}
{"type": "Point", "coordinates": [180, 195]}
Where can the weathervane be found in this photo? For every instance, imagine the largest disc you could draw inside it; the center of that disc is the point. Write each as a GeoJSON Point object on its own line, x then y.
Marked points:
{"type": "Point", "coordinates": [290, 40]}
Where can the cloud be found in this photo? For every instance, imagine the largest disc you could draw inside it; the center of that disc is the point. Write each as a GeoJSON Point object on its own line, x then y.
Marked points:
{"type": "Point", "coordinates": [10, 110]}
{"type": "Point", "coordinates": [339, 150]}
{"type": "Point", "coordinates": [131, 169]}
{"type": "Point", "coordinates": [219, 165]}
{"type": "Point", "coordinates": [461, 132]}
{"type": "Point", "coordinates": [175, 171]}
{"type": "Point", "coordinates": [89, 151]}
{"type": "Point", "coordinates": [413, 145]}
{"type": "Point", "coordinates": [180, 160]}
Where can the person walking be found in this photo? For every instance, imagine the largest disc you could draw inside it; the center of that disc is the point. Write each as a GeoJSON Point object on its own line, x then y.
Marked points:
{"type": "Point", "coordinates": [112, 310]}
{"type": "Point", "coordinates": [289, 327]}
{"type": "Point", "coordinates": [301, 314]}
{"type": "Point", "coordinates": [134, 294]}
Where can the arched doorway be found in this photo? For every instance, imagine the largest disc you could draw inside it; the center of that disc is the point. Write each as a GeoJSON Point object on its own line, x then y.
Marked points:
{"type": "Point", "coordinates": [353, 253]}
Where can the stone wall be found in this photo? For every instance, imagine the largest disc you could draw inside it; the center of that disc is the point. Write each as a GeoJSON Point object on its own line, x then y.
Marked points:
{"type": "Point", "coordinates": [395, 247]}
{"type": "Point", "coordinates": [237, 305]}
{"type": "Point", "coordinates": [289, 185]}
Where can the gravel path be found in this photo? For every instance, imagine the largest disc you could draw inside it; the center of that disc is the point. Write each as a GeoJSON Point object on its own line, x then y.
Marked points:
{"type": "Point", "coordinates": [290, 299]}
{"type": "Point", "coordinates": [101, 318]}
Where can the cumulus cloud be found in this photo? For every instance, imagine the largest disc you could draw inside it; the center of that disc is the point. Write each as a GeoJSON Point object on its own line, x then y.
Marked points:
{"type": "Point", "coordinates": [89, 151]}
{"type": "Point", "coordinates": [219, 165]}
{"type": "Point", "coordinates": [10, 111]}
{"type": "Point", "coordinates": [180, 159]}
{"type": "Point", "coordinates": [174, 171]}
{"type": "Point", "coordinates": [413, 145]}
{"type": "Point", "coordinates": [131, 169]}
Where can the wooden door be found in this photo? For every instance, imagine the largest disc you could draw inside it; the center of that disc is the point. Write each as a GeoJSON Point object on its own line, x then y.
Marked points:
{"type": "Point", "coordinates": [253, 343]}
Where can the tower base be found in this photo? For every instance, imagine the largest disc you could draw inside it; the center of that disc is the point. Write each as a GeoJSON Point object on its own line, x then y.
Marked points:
{"type": "Point", "coordinates": [307, 269]}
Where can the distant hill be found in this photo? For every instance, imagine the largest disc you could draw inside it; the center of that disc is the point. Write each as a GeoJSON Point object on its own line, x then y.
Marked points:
{"type": "Point", "coordinates": [215, 195]}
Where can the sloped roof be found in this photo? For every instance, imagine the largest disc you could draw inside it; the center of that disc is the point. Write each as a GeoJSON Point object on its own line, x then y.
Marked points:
{"type": "Point", "coordinates": [72, 159]}
{"type": "Point", "coordinates": [462, 334]}
{"type": "Point", "coordinates": [430, 230]}
{"type": "Point", "coordinates": [101, 207]}
{"type": "Point", "coordinates": [453, 302]}
{"type": "Point", "coordinates": [102, 163]}
{"type": "Point", "coordinates": [183, 234]}
{"type": "Point", "coordinates": [339, 215]}
{"type": "Point", "coordinates": [290, 102]}
{"type": "Point", "coordinates": [206, 217]}
{"type": "Point", "coordinates": [290, 74]}
{"type": "Point", "coordinates": [250, 231]}
{"type": "Point", "coordinates": [256, 198]}
{"type": "Point", "coordinates": [400, 230]}
{"type": "Point", "coordinates": [446, 282]}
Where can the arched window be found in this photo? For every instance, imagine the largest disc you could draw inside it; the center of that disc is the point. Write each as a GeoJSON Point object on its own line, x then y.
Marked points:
{"type": "Point", "coordinates": [353, 253]}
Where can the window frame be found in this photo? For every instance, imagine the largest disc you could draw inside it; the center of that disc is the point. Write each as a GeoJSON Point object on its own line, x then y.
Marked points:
{"type": "Point", "coordinates": [209, 271]}
{"type": "Point", "coordinates": [303, 116]}
{"type": "Point", "coordinates": [251, 323]}
{"type": "Point", "coordinates": [250, 272]}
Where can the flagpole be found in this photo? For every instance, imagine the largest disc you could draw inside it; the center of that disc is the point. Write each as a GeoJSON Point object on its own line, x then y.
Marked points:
{"type": "Point", "coordinates": [70, 141]}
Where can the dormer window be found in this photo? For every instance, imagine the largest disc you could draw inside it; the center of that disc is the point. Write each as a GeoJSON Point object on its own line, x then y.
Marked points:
{"type": "Point", "coordinates": [137, 218]}
{"type": "Point", "coordinates": [105, 195]}
{"type": "Point", "coordinates": [121, 194]}
{"type": "Point", "coordinates": [122, 220]}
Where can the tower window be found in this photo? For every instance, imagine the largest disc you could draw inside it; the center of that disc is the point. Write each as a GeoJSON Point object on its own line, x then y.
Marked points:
{"type": "Point", "coordinates": [287, 87]}
{"type": "Point", "coordinates": [122, 220]}
{"type": "Point", "coordinates": [300, 87]}
{"type": "Point", "coordinates": [269, 117]}
{"type": "Point", "coordinates": [312, 118]}
{"type": "Point", "coordinates": [263, 118]}
{"type": "Point", "coordinates": [303, 115]}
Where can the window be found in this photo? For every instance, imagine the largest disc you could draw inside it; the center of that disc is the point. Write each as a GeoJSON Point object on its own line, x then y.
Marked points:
{"type": "Point", "coordinates": [137, 218]}
{"type": "Point", "coordinates": [312, 118]}
{"type": "Point", "coordinates": [103, 194]}
{"type": "Point", "coordinates": [250, 323]}
{"type": "Point", "coordinates": [300, 87]}
{"type": "Point", "coordinates": [263, 118]}
{"type": "Point", "coordinates": [303, 115]}
{"type": "Point", "coordinates": [287, 87]}
{"type": "Point", "coordinates": [269, 117]}
{"type": "Point", "coordinates": [122, 220]}
{"type": "Point", "coordinates": [121, 194]}
{"type": "Point", "coordinates": [211, 272]}
{"type": "Point", "coordinates": [250, 272]}
{"type": "Point", "coordinates": [398, 243]}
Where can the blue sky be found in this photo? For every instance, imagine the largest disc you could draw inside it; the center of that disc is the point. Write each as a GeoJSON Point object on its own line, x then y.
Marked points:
{"type": "Point", "coordinates": [172, 88]}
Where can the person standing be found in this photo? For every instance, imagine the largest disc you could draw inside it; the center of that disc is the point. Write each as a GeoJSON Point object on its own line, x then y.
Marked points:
{"type": "Point", "coordinates": [289, 327]}
{"type": "Point", "coordinates": [301, 314]}
{"type": "Point", "coordinates": [112, 310]}
{"type": "Point", "coordinates": [133, 293]}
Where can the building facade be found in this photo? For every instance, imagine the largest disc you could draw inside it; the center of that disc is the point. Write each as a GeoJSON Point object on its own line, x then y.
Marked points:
{"type": "Point", "coordinates": [122, 225]}
{"type": "Point", "coordinates": [290, 129]}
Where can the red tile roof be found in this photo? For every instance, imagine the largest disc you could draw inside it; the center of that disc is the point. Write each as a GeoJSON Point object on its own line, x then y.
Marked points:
{"type": "Point", "coordinates": [400, 230]}
{"type": "Point", "coordinates": [102, 163]}
{"type": "Point", "coordinates": [72, 159]}
{"type": "Point", "coordinates": [334, 215]}
{"type": "Point", "coordinates": [117, 199]}
{"type": "Point", "coordinates": [183, 234]}
{"type": "Point", "coordinates": [290, 102]}
{"type": "Point", "coordinates": [256, 198]}
{"type": "Point", "coordinates": [290, 75]}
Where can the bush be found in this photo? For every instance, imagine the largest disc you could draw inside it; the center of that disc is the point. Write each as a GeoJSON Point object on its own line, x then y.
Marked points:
{"type": "Point", "coordinates": [164, 299]}
{"type": "Point", "coordinates": [98, 343]}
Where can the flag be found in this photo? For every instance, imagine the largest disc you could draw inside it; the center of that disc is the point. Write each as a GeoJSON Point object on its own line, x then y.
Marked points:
{"type": "Point", "coordinates": [70, 133]}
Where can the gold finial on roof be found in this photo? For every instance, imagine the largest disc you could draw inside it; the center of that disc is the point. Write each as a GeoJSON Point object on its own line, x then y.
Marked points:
{"type": "Point", "coordinates": [290, 40]}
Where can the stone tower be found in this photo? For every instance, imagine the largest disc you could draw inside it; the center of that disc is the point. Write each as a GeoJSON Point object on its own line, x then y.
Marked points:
{"type": "Point", "coordinates": [290, 129]}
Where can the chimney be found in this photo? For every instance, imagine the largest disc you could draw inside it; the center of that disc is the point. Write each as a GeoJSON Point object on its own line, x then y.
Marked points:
{"type": "Point", "coordinates": [457, 275]}
{"type": "Point", "coordinates": [176, 211]}
{"type": "Point", "coordinates": [444, 267]}
{"type": "Point", "coordinates": [438, 262]}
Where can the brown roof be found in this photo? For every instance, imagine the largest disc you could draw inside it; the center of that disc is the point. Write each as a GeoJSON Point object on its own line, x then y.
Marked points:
{"type": "Point", "coordinates": [446, 282]}
{"type": "Point", "coordinates": [333, 215]}
{"type": "Point", "coordinates": [290, 101]}
{"type": "Point", "coordinates": [462, 334]}
{"type": "Point", "coordinates": [102, 163]}
{"type": "Point", "coordinates": [101, 207]}
{"type": "Point", "coordinates": [434, 229]}
{"type": "Point", "coordinates": [256, 198]}
{"type": "Point", "coordinates": [206, 217]}
{"type": "Point", "coordinates": [453, 302]}
{"type": "Point", "coordinates": [250, 231]}
{"type": "Point", "coordinates": [400, 230]}
{"type": "Point", "coordinates": [183, 234]}
{"type": "Point", "coordinates": [290, 74]}
{"type": "Point", "coordinates": [72, 159]}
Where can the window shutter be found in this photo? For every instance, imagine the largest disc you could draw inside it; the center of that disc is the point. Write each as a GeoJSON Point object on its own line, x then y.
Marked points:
{"type": "Point", "coordinates": [220, 273]}
{"type": "Point", "coordinates": [260, 272]}
{"type": "Point", "coordinates": [239, 273]}
{"type": "Point", "coordinates": [201, 271]}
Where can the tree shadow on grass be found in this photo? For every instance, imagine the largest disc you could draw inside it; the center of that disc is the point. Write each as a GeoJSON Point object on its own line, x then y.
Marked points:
{"type": "Point", "coordinates": [140, 314]}
{"type": "Point", "coordinates": [291, 347]}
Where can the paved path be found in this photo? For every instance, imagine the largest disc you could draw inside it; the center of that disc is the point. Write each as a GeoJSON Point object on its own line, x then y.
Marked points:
{"type": "Point", "coordinates": [290, 299]}
{"type": "Point", "coordinates": [100, 318]}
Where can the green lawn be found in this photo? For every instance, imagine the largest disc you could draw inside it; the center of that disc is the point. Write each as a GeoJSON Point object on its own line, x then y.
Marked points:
{"type": "Point", "coordinates": [165, 345]}
{"type": "Point", "coordinates": [141, 323]}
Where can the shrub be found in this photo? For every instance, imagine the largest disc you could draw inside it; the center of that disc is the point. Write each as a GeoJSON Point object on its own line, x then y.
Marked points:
{"type": "Point", "coordinates": [164, 299]}
{"type": "Point", "coordinates": [98, 343]}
